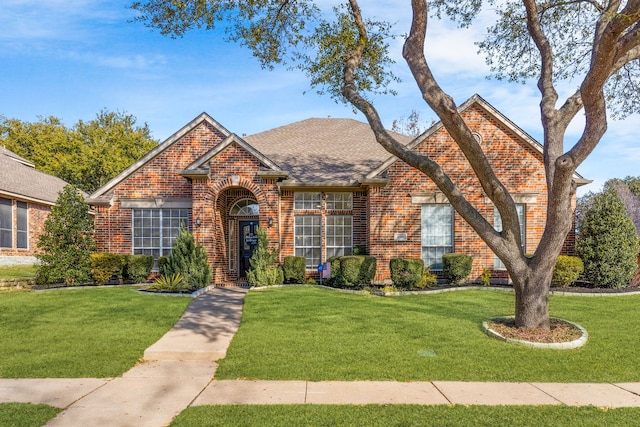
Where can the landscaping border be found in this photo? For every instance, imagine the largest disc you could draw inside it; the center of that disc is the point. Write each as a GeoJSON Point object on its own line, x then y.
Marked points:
{"type": "Point", "coordinates": [554, 346]}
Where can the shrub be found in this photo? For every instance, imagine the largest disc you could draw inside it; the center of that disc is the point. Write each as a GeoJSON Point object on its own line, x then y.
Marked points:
{"type": "Point", "coordinates": [67, 241]}
{"type": "Point", "coordinates": [356, 270]}
{"type": "Point", "coordinates": [456, 267]}
{"type": "Point", "coordinates": [406, 273]}
{"type": "Point", "coordinates": [162, 263]}
{"type": "Point", "coordinates": [428, 279]}
{"type": "Point", "coordinates": [138, 268]}
{"type": "Point", "coordinates": [608, 242]}
{"type": "Point", "coordinates": [566, 271]}
{"type": "Point", "coordinates": [485, 277]}
{"type": "Point", "coordinates": [189, 260]}
{"type": "Point", "coordinates": [336, 274]}
{"type": "Point", "coordinates": [294, 268]}
{"type": "Point", "coordinates": [263, 271]}
{"type": "Point", "coordinates": [170, 283]}
{"type": "Point", "coordinates": [106, 265]}
{"type": "Point", "coordinates": [360, 250]}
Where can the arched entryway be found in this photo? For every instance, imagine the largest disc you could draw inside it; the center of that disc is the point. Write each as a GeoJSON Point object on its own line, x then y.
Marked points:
{"type": "Point", "coordinates": [240, 212]}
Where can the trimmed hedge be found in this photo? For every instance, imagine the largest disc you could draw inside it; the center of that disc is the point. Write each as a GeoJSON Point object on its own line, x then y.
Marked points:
{"type": "Point", "coordinates": [137, 268]}
{"type": "Point", "coordinates": [294, 268]}
{"type": "Point", "coordinates": [406, 273]}
{"type": "Point", "coordinates": [106, 265]}
{"type": "Point", "coordinates": [567, 270]}
{"type": "Point", "coordinates": [456, 267]}
{"type": "Point", "coordinates": [354, 270]}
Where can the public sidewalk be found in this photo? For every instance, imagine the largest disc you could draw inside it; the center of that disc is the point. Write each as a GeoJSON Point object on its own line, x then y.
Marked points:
{"type": "Point", "coordinates": [178, 371]}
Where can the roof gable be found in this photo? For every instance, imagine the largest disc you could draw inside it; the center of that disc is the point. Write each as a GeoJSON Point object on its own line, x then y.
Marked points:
{"type": "Point", "coordinates": [204, 117]}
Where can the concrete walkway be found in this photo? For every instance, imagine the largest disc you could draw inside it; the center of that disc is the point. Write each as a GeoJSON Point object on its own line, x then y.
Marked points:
{"type": "Point", "coordinates": [177, 372]}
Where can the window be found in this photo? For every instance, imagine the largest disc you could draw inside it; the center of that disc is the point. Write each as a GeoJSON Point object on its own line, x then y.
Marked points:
{"type": "Point", "coordinates": [339, 236]}
{"type": "Point", "coordinates": [307, 201]}
{"type": "Point", "coordinates": [497, 220]}
{"type": "Point", "coordinates": [6, 223]}
{"type": "Point", "coordinates": [246, 207]}
{"type": "Point", "coordinates": [339, 201]}
{"type": "Point", "coordinates": [308, 240]}
{"type": "Point", "coordinates": [155, 230]}
{"type": "Point", "coordinates": [22, 225]}
{"type": "Point", "coordinates": [437, 233]}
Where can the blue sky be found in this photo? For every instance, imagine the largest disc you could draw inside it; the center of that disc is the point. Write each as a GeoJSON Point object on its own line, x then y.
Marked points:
{"type": "Point", "coordinates": [72, 58]}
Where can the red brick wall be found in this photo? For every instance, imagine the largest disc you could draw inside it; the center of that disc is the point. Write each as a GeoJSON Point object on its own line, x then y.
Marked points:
{"type": "Point", "coordinates": [517, 164]}
{"type": "Point", "coordinates": [37, 215]}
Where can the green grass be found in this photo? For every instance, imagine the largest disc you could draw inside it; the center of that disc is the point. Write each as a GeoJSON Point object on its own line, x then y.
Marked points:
{"type": "Point", "coordinates": [94, 332]}
{"type": "Point", "coordinates": [26, 414]}
{"type": "Point", "coordinates": [315, 334]}
{"type": "Point", "coordinates": [404, 415]}
{"type": "Point", "coordinates": [18, 272]}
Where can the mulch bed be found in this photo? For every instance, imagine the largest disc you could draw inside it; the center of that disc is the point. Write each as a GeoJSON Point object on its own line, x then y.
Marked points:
{"type": "Point", "coordinates": [560, 331]}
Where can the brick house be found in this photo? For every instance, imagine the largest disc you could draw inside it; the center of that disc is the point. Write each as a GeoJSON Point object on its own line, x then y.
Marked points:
{"type": "Point", "coordinates": [26, 198]}
{"type": "Point", "coordinates": [320, 187]}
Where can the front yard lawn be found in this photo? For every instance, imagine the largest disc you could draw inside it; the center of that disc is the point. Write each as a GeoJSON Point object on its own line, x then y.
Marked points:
{"type": "Point", "coordinates": [17, 271]}
{"type": "Point", "coordinates": [404, 415]}
{"type": "Point", "coordinates": [75, 333]}
{"type": "Point", "coordinates": [26, 414]}
{"type": "Point", "coordinates": [306, 333]}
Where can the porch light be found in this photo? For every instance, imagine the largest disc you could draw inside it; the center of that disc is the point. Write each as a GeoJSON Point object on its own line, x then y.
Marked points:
{"type": "Point", "coordinates": [270, 222]}
{"type": "Point", "coordinates": [198, 223]}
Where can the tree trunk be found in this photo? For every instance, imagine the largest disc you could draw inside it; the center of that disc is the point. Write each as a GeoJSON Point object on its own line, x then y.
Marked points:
{"type": "Point", "coordinates": [532, 298]}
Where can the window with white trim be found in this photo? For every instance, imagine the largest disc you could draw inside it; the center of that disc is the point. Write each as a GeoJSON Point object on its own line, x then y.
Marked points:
{"type": "Point", "coordinates": [22, 225]}
{"type": "Point", "coordinates": [6, 223]}
{"type": "Point", "coordinates": [155, 230]}
{"type": "Point", "coordinates": [339, 235]}
{"type": "Point", "coordinates": [308, 239]}
{"type": "Point", "coordinates": [497, 224]}
{"type": "Point", "coordinates": [307, 201]}
{"type": "Point", "coordinates": [339, 201]}
{"type": "Point", "coordinates": [437, 233]}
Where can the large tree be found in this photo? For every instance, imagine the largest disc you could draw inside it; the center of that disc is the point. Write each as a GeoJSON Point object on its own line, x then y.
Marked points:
{"type": "Point", "coordinates": [87, 155]}
{"type": "Point", "coordinates": [595, 43]}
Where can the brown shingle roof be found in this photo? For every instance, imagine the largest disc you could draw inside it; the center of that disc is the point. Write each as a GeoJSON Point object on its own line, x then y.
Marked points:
{"type": "Point", "coordinates": [323, 150]}
{"type": "Point", "coordinates": [19, 179]}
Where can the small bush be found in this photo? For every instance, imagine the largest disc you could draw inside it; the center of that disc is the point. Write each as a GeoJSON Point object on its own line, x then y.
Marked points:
{"type": "Point", "coordinates": [567, 271]}
{"type": "Point", "coordinates": [137, 268]}
{"type": "Point", "coordinates": [106, 265]}
{"type": "Point", "coordinates": [456, 267]}
{"type": "Point", "coordinates": [356, 270]}
{"type": "Point", "coordinates": [263, 271]}
{"type": "Point", "coordinates": [428, 279]}
{"type": "Point", "coordinates": [190, 260]}
{"type": "Point", "coordinates": [162, 263]}
{"type": "Point", "coordinates": [310, 281]}
{"type": "Point", "coordinates": [360, 250]}
{"type": "Point", "coordinates": [280, 275]}
{"type": "Point", "coordinates": [294, 269]}
{"type": "Point", "coordinates": [170, 283]}
{"type": "Point", "coordinates": [485, 277]}
{"type": "Point", "coordinates": [406, 273]}
{"type": "Point", "coordinates": [336, 274]}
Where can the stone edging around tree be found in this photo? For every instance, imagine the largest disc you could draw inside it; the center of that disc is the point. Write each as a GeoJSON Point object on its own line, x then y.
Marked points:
{"type": "Point", "coordinates": [554, 346]}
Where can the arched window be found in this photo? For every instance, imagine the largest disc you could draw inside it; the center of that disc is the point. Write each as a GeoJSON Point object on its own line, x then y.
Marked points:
{"type": "Point", "coordinates": [245, 207]}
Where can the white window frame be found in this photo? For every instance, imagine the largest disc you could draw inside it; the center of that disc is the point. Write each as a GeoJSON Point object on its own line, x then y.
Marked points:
{"type": "Point", "coordinates": [305, 242]}
{"type": "Point", "coordinates": [165, 242]}
{"type": "Point", "coordinates": [428, 225]}
{"type": "Point", "coordinates": [307, 201]}
{"type": "Point", "coordinates": [24, 233]}
{"type": "Point", "coordinates": [6, 205]}
{"type": "Point", "coordinates": [336, 232]}
{"type": "Point", "coordinates": [339, 201]}
{"type": "Point", "coordinates": [497, 224]}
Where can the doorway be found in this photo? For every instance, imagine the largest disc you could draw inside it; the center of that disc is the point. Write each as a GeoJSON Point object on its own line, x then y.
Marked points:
{"type": "Point", "coordinates": [247, 242]}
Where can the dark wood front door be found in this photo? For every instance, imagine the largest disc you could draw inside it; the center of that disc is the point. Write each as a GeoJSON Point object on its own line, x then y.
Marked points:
{"type": "Point", "coordinates": [247, 243]}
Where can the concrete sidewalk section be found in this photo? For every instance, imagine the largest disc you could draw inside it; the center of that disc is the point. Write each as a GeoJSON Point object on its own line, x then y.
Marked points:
{"type": "Point", "coordinates": [58, 392]}
{"type": "Point", "coordinates": [205, 330]}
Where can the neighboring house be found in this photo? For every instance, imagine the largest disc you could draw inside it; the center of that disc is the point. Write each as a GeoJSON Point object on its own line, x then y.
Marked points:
{"type": "Point", "coordinates": [320, 187]}
{"type": "Point", "coordinates": [26, 197]}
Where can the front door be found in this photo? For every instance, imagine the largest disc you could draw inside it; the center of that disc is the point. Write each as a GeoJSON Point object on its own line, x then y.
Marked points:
{"type": "Point", "coordinates": [248, 242]}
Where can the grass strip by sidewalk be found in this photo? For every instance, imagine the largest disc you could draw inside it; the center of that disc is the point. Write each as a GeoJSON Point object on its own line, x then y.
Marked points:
{"type": "Point", "coordinates": [404, 415]}
{"type": "Point", "coordinates": [75, 333]}
{"type": "Point", "coordinates": [306, 333]}
{"type": "Point", "coordinates": [26, 414]}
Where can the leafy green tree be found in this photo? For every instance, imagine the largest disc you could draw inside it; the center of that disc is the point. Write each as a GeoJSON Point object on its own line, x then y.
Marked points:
{"type": "Point", "coordinates": [87, 155]}
{"type": "Point", "coordinates": [67, 241]}
{"type": "Point", "coordinates": [593, 46]}
{"type": "Point", "coordinates": [189, 260]}
{"type": "Point", "coordinates": [608, 243]}
{"type": "Point", "coordinates": [263, 271]}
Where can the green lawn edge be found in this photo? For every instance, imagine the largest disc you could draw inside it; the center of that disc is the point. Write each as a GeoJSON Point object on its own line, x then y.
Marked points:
{"type": "Point", "coordinates": [26, 414]}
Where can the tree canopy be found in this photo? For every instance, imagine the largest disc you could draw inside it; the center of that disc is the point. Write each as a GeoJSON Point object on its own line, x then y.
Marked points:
{"type": "Point", "coordinates": [87, 155]}
{"type": "Point", "coordinates": [594, 44]}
